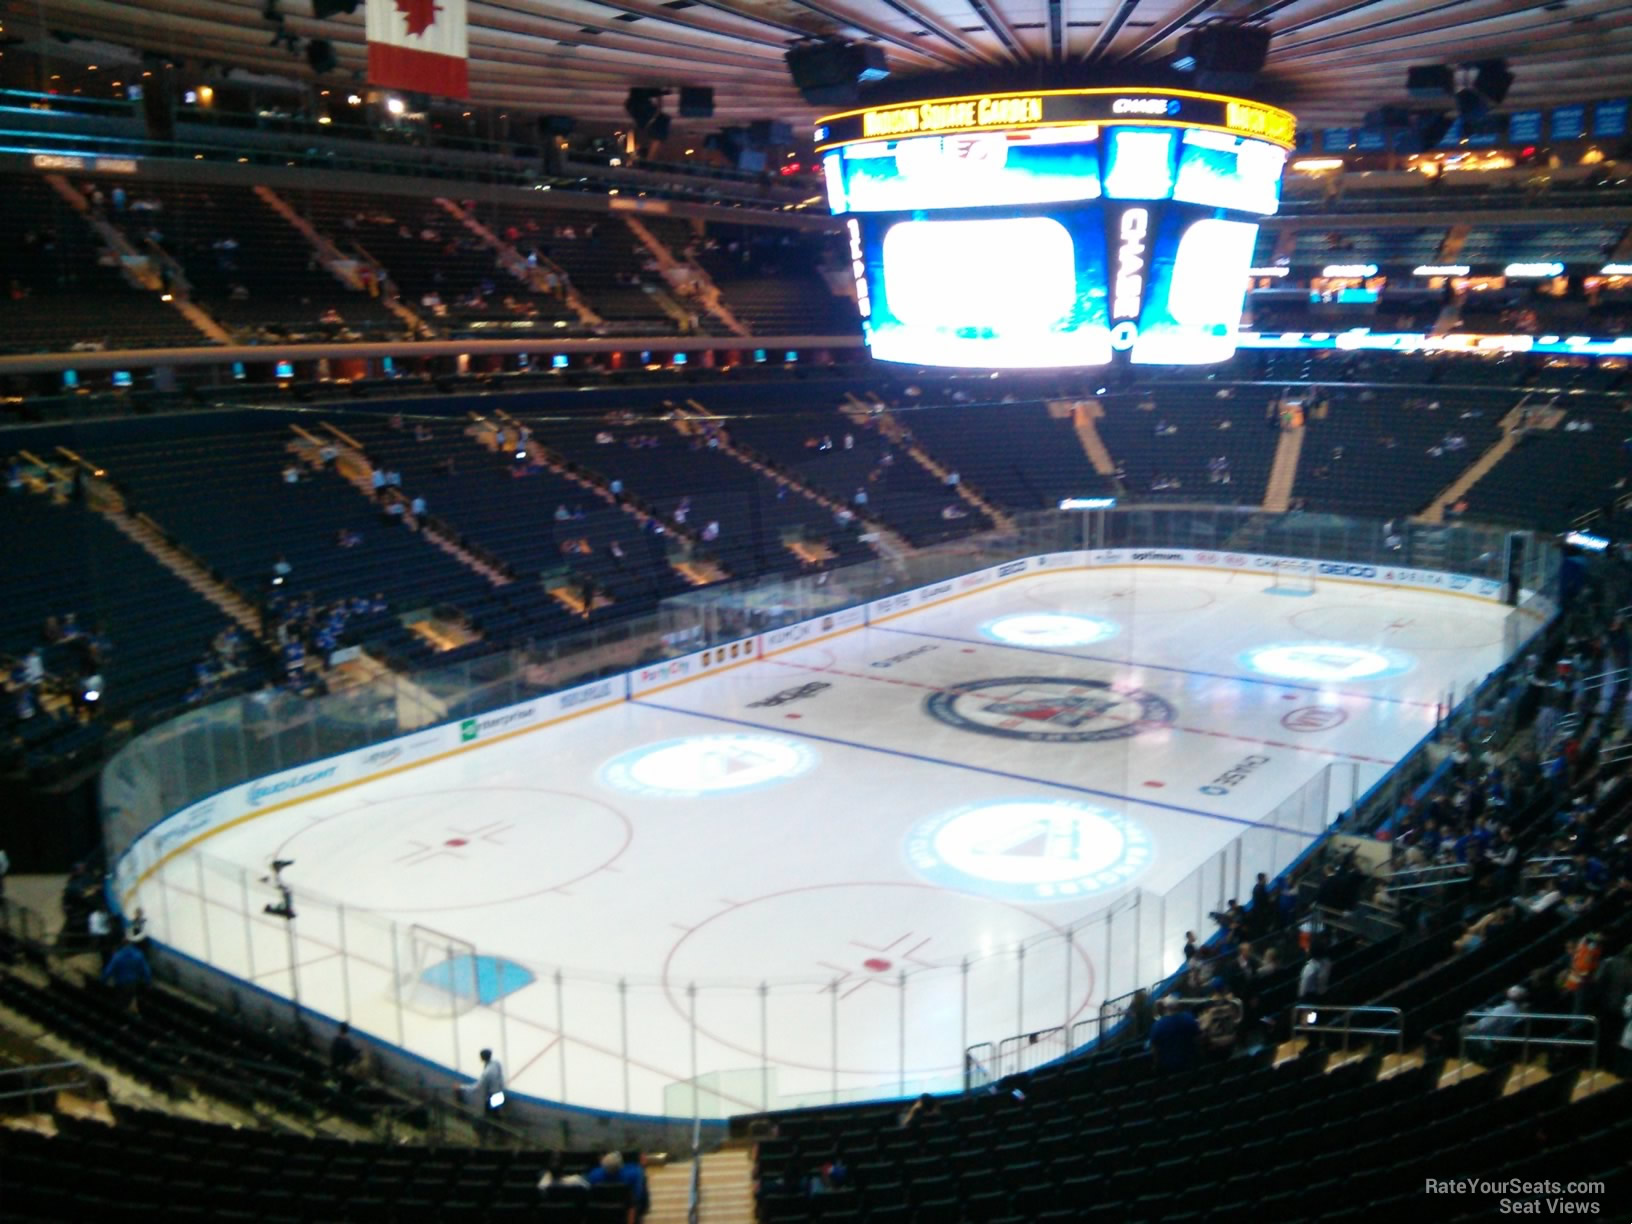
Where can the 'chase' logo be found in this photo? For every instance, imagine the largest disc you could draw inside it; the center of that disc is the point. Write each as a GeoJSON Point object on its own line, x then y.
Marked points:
{"type": "Point", "coordinates": [1234, 775]}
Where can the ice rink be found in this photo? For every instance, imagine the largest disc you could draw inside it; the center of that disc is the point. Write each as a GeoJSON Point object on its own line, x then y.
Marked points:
{"type": "Point", "coordinates": [823, 862]}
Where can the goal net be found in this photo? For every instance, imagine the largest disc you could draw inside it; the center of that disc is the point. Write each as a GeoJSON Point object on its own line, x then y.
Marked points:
{"type": "Point", "coordinates": [437, 974]}
{"type": "Point", "coordinates": [1291, 577]}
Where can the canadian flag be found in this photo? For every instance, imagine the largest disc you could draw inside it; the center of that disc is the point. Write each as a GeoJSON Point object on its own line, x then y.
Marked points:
{"type": "Point", "coordinates": [419, 45]}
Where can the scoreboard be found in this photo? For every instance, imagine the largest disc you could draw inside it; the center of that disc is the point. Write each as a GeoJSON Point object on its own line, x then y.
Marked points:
{"type": "Point", "coordinates": [1054, 228]}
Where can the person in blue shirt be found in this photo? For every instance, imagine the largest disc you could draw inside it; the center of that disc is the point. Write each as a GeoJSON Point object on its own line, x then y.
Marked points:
{"type": "Point", "coordinates": [128, 973]}
{"type": "Point", "coordinates": [613, 1171]}
{"type": "Point", "coordinates": [1174, 1038]}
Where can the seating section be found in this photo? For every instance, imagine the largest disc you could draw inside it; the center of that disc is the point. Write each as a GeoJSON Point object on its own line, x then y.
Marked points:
{"type": "Point", "coordinates": [1380, 454]}
{"type": "Point", "coordinates": [1206, 425]}
{"type": "Point", "coordinates": [1110, 1140]}
{"type": "Point", "coordinates": [898, 491]}
{"type": "Point", "coordinates": [770, 281]}
{"type": "Point", "coordinates": [509, 509]}
{"type": "Point", "coordinates": [63, 287]}
{"type": "Point", "coordinates": [249, 269]}
{"type": "Point", "coordinates": [65, 558]}
{"type": "Point", "coordinates": [668, 471]}
{"type": "Point", "coordinates": [440, 268]}
{"type": "Point", "coordinates": [1525, 488]}
{"type": "Point", "coordinates": [1577, 242]}
{"type": "Point", "coordinates": [606, 263]}
{"type": "Point", "coordinates": [223, 495]}
{"type": "Point", "coordinates": [1016, 454]}
{"type": "Point", "coordinates": [1390, 246]}
{"type": "Point", "coordinates": [153, 1165]}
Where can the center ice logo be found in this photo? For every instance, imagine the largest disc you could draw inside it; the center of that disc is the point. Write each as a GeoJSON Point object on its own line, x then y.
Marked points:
{"type": "Point", "coordinates": [1029, 850]}
{"type": "Point", "coordinates": [1049, 709]}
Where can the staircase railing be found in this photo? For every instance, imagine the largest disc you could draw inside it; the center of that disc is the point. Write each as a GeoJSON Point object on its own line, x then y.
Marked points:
{"type": "Point", "coordinates": [1468, 1030]}
{"type": "Point", "coordinates": [1316, 1017]}
{"type": "Point", "coordinates": [26, 1083]}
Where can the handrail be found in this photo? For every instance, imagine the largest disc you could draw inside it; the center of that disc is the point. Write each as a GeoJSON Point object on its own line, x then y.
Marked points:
{"type": "Point", "coordinates": [1527, 1039]}
{"type": "Point", "coordinates": [695, 1200]}
{"type": "Point", "coordinates": [1311, 1023]}
{"type": "Point", "coordinates": [31, 1089]}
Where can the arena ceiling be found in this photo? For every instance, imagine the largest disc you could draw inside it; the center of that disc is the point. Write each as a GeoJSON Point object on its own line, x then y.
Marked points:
{"type": "Point", "coordinates": [1330, 61]}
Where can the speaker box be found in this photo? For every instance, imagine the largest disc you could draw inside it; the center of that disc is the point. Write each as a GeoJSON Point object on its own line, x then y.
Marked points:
{"type": "Point", "coordinates": [323, 9]}
{"type": "Point", "coordinates": [643, 105]}
{"type": "Point", "coordinates": [159, 106]}
{"type": "Point", "coordinates": [658, 128]}
{"type": "Point", "coordinates": [828, 74]}
{"type": "Point", "coordinates": [1429, 81]}
{"type": "Point", "coordinates": [1492, 79]}
{"type": "Point", "coordinates": [1223, 47]}
{"type": "Point", "coordinates": [696, 102]}
{"type": "Point", "coordinates": [557, 125]}
{"type": "Point", "coordinates": [320, 55]}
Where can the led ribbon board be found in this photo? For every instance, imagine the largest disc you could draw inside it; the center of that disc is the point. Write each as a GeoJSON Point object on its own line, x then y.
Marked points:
{"type": "Point", "coordinates": [1058, 108]}
{"type": "Point", "coordinates": [1058, 227]}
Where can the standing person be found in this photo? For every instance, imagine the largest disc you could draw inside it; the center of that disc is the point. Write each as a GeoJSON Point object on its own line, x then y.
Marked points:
{"type": "Point", "coordinates": [488, 1090]}
{"type": "Point", "coordinates": [344, 1057]}
{"type": "Point", "coordinates": [1174, 1038]}
{"type": "Point", "coordinates": [127, 972]}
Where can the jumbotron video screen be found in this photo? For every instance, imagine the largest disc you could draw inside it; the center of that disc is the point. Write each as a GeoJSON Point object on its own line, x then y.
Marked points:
{"type": "Point", "coordinates": [1061, 228]}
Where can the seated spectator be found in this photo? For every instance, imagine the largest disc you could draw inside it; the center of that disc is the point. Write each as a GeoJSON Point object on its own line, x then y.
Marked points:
{"type": "Point", "coordinates": [1503, 1021]}
{"type": "Point", "coordinates": [924, 1111]}
{"type": "Point", "coordinates": [612, 1171]}
{"type": "Point", "coordinates": [1219, 1023]}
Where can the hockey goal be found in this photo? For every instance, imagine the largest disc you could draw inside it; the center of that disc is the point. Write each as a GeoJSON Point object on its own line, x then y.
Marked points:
{"type": "Point", "coordinates": [1291, 577]}
{"type": "Point", "coordinates": [437, 974]}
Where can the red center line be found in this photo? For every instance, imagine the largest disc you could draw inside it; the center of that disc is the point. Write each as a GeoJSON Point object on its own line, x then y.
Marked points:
{"type": "Point", "coordinates": [1245, 739]}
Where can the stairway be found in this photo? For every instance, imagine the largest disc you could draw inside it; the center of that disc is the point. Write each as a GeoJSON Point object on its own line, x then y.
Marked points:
{"type": "Point", "coordinates": [887, 544]}
{"type": "Point", "coordinates": [105, 500]}
{"type": "Point", "coordinates": [863, 413]}
{"type": "Point", "coordinates": [1283, 471]}
{"type": "Point", "coordinates": [1535, 418]}
{"type": "Point", "coordinates": [138, 267]}
{"type": "Point", "coordinates": [1084, 414]}
{"type": "Point", "coordinates": [344, 268]}
{"type": "Point", "coordinates": [355, 468]}
{"type": "Point", "coordinates": [518, 267]}
{"type": "Point", "coordinates": [675, 270]}
{"type": "Point", "coordinates": [725, 1190]}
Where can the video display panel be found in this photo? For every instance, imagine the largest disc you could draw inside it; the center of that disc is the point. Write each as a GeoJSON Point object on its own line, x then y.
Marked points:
{"type": "Point", "coordinates": [1069, 243]}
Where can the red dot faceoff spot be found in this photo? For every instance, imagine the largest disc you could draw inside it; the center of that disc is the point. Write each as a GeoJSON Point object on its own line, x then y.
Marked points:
{"type": "Point", "coordinates": [456, 841]}
{"type": "Point", "coordinates": [1289, 696]}
{"type": "Point", "coordinates": [1155, 783]}
{"type": "Point", "coordinates": [968, 650]}
{"type": "Point", "coordinates": [876, 963]}
{"type": "Point", "coordinates": [793, 716]}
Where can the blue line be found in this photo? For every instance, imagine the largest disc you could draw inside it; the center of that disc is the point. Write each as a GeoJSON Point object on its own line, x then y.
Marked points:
{"type": "Point", "coordinates": [996, 773]}
{"type": "Point", "coordinates": [1183, 671]}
